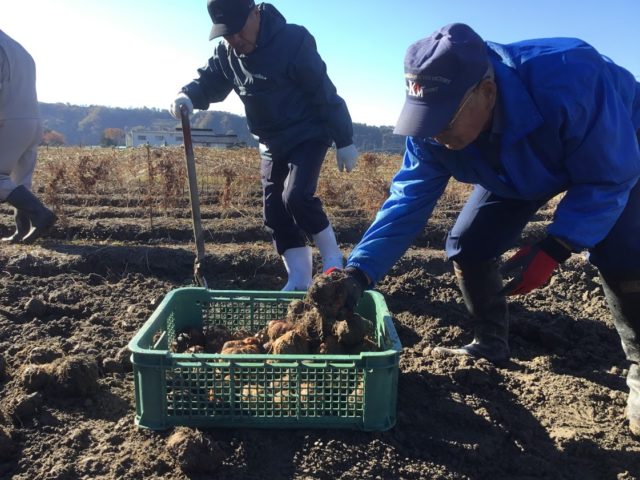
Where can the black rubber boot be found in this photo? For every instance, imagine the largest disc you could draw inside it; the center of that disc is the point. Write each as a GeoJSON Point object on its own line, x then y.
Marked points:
{"type": "Point", "coordinates": [40, 217]}
{"type": "Point", "coordinates": [480, 285]}
{"type": "Point", "coordinates": [623, 297]}
{"type": "Point", "coordinates": [23, 225]}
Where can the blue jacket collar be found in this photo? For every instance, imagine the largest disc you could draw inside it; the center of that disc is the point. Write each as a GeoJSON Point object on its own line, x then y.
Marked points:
{"type": "Point", "coordinates": [520, 115]}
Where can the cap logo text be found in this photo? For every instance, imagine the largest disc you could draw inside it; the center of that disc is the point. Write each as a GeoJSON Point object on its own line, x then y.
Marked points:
{"type": "Point", "coordinates": [414, 89]}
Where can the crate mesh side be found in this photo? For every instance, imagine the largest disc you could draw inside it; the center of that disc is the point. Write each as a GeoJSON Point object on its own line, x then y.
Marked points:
{"type": "Point", "coordinates": [232, 392]}
{"type": "Point", "coordinates": [171, 327]}
{"type": "Point", "coordinates": [243, 313]}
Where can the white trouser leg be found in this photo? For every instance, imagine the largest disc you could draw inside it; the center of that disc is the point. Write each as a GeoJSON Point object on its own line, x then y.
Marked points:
{"type": "Point", "coordinates": [328, 246]}
{"type": "Point", "coordinates": [299, 267]}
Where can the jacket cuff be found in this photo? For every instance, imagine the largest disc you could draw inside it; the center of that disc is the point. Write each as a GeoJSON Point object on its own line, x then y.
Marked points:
{"type": "Point", "coordinates": [194, 94]}
{"type": "Point", "coordinates": [359, 275]}
{"type": "Point", "coordinates": [343, 143]}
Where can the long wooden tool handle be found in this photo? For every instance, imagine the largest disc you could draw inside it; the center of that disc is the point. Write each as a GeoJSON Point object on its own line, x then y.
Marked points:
{"type": "Point", "coordinates": [193, 193]}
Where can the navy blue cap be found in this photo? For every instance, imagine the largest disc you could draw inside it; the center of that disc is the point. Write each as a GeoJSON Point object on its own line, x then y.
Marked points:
{"type": "Point", "coordinates": [439, 70]}
{"type": "Point", "coordinates": [228, 16]}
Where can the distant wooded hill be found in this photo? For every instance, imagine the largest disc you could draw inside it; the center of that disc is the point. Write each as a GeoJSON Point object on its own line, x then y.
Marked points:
{"type": "Point", "coordinates": [86, 125]}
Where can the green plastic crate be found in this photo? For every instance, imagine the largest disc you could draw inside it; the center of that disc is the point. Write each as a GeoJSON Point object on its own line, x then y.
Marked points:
{"type": "Point", "coordinates": [259, 391]}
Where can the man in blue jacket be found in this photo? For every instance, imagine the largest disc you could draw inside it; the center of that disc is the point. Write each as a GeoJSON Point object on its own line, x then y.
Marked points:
{"type": "Point", "coordinates": [293, 110]}
{"type": "Point", "coordinates": [523, 122]}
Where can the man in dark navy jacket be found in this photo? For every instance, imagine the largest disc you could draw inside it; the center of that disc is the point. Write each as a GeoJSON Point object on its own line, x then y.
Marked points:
{"type": "Point", "coordinates": [293, 110]}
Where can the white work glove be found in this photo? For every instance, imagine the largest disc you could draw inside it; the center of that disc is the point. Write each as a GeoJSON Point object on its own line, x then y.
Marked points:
{"type": "Point", "coordinates": [347, 157]}
{"type": "Point", "coordinates": [180, 100]}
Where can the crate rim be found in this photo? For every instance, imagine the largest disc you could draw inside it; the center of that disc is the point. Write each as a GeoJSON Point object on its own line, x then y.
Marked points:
{"type": "Point", "coordinates": [298, 359]}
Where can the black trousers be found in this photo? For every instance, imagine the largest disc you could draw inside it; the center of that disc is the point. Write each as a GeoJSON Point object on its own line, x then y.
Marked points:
{"type": "Point", "coordinates": [291, 211]}
{"type": "Point", "coordinates": [488, 225]}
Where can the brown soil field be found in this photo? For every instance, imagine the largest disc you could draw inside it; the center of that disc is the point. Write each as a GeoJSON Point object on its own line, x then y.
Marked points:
{"type": "Point", "coordinates": [71, 303]}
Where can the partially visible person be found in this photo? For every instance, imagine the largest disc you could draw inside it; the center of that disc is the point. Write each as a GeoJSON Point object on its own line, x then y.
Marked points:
{"type": "Point", "coordinates": [294, 111]}
{"type": "Point", "coordinates": [20, 135]}
{"type": "Point", "coordinates": [523, 122]}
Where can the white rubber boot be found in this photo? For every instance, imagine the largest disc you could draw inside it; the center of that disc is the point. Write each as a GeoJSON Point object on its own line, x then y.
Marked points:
{"type": "Point", "coordinates": [328, 246]}
{"type": "Point", "coordinates": [299, 267]}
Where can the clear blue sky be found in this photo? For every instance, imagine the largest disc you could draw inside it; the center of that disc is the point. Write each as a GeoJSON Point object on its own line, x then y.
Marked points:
{"type": "Point", "coordinates": [135, 53]}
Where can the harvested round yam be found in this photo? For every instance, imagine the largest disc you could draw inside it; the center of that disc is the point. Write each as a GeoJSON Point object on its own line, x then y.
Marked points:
{"type": "Point", "coordinates": [251, 341]}
{"type": "Point", "coordinates": [197, 337]}
{"type": "Point", "coordinates": [251, 393]}
{"type": "Point", "coordinates": [328, 293]}
{"type": "Point", "coordinates": [187, 338]}
{"type": "Point", "coordinates": [215, 337]}
{"type": "Point", "coordinates": [241, 347]}
{"type": "Point", "coordinates": [348, 335]}
{"type": "Point", "coordinates": [311, 325]}
{"type": "Point", "coordinates": [262, 335]}
{"type": "Point", "coordinates": [331, 346]}
{"type": "Point", "coordinates": [291, 343]}
{"type": "Point", "coordinates": [241, 334]}
{"type": "Point", "coordinates": [353, 330]}
{"type": "Point", "coordinates": [181, 343]}
{"type": "Point", "coordinates": [282, 383]}
{"type": "Point", "coordinates": [297, 308]}
{"type": "Point", "coordinates": [281, 397]}
{"type": "Point", "coordinates": [241, 350]}
{"type": "Point", "coordinates": [310, 392]}
{"type": "Point", "coordinates": [356, 396]}
{"type": "Point", "coordinates": [277, 328]}
{"type": "Point", "coordinates": [195, 349]}
{"type": "Point", "coordinates": [367, 345]}
{"type": "Point", "coordinates": [231, 344]}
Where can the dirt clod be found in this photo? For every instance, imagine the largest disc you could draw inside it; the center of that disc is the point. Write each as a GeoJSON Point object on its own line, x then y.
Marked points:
{"type": "Point", "coordinates": [23, 407]}
{"type": "Point", "coordinates": [36, 307]}
{"type": "Point", "coordinates": [3, 368]}
{"type": "Point", "coordinates": [194, 452]}
{"type": "Point", "coordinates": [8, 447]}
{"type": "Point", "coordinates": [75, 375]}
{"type": "Point", "coordinates": [36, 377]}
{"type": "Point", "coordinates": [41, 354]}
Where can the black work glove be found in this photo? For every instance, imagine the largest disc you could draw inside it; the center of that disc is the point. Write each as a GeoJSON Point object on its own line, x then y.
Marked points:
{"type": "Point", "coordinates": [353, 285]}
{"type": "Point", "coordinates": [532, 266]}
